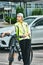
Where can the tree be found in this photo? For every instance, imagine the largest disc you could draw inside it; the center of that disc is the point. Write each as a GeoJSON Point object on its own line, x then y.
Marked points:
{"type": "Point", "coordinates": [20, 10]}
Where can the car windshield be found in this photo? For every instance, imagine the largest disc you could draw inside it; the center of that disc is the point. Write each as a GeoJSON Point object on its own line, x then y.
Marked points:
{"type": "Point", "coordinates": [29, 20]}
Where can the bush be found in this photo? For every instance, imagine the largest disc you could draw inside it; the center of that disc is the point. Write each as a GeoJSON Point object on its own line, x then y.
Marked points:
{"type": "Point", "coordinates": [13, 20]}
{"type": "Point", "coordinates": [37, 12]}
{"type": "Point", "coordinates": [7, 19]}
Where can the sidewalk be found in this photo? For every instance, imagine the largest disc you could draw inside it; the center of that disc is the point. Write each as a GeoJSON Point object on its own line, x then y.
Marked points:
{"type": "Point", "coordinates": [4, 24]}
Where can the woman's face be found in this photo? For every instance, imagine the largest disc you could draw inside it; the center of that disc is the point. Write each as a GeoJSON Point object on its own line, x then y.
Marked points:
{"type": "Point", "coordinates": [19, 18]}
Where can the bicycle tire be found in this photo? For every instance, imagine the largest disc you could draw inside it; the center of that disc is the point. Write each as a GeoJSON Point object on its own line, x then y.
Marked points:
{"type": "Point", "coordinates": [11, 55]}
{"type": "Point", "coordinates": [31, 55]}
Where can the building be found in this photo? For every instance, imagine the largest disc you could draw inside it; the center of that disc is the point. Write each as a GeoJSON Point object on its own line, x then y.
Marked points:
{"type": "Point", "coordinates": [10, 7]}
{"type": "Point", "coordinates": [32, 5]}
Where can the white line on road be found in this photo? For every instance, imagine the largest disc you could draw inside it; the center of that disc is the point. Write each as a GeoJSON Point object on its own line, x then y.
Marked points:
{"type": "Point", "coordinates": [37, 53]}
{"type": "Point", "coordinates": [4, 63]}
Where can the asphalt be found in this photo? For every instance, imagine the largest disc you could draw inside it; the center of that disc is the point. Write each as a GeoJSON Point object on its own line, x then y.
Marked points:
{"type": "Point", "coordinates": [37, 58]}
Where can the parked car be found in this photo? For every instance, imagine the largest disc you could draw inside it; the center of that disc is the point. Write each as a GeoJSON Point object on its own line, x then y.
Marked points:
{"type": "Point", "coordinates": [30, 19]}
{"type": "Point", "coordinates": [36, 30]}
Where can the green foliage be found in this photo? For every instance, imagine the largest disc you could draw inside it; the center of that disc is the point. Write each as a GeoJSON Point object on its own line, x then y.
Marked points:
{"type": "Point", "coordinates": [20, 10]}
{"type": "Point", "coordinates": [37, 12]}
{"type": "Point", "coordinates": [7, 19]}
{"type": "Point", "coordinates": [13, 20]}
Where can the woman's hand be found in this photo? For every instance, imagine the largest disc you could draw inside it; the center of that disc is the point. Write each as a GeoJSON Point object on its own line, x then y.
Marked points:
{"type": "Point", "coordinates": [27, 34]}
{"type": "Point", "coordinates": [6, 33]}
{"type": "Point", "coordinates": [3, 34]}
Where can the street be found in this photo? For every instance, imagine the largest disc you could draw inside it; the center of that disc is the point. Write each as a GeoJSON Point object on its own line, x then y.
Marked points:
{"type": "Point", "coordinates": [37, 58]}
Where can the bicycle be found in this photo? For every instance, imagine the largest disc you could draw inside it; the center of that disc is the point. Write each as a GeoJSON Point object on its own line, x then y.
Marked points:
{"type": "Point", "coordinates": [12, 47]}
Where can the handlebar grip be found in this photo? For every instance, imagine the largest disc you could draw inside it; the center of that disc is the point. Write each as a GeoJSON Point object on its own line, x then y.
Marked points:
{"type": "Point", "coordinates": [7, 34]}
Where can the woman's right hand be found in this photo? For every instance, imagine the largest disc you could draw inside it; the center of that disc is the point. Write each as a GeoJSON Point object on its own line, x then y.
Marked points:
{"type": "Point", "coordinates": [3, 34]}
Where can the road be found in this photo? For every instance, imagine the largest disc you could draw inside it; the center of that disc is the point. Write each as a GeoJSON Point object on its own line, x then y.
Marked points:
{"type": "Point", "coordinates": [37, 58]}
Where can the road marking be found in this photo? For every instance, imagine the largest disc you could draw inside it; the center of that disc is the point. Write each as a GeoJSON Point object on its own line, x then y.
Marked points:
{"type": "Point", "coordinates": [8, 63]}
{"type": "Point", "coordinates": [4, 63]}
{"type": "Point", "coordinates": [37, 53]}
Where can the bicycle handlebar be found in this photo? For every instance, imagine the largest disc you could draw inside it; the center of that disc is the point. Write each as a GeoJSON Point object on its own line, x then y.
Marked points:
{"type": "Point", "coordinates": [15, 36]}
{"type": "Point", "coordinates": [6, 34]}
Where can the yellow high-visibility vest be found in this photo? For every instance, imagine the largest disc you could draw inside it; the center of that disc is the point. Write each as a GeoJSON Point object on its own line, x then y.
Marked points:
{"type": "Point", "coordinates": [21, 29]}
